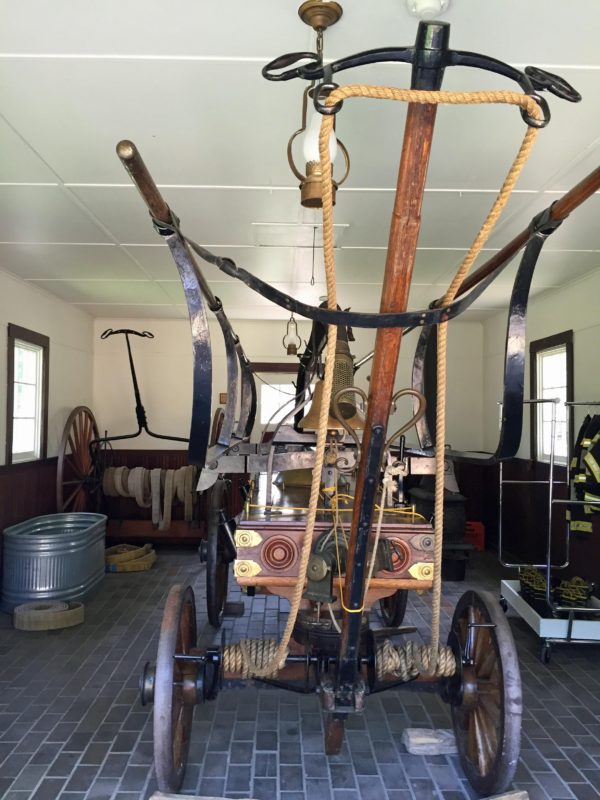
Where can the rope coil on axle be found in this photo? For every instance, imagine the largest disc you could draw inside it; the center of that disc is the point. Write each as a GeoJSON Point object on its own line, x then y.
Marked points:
{"type": "Point", "coordinates": [251, 657]}
{"type": "Point", "coordinates": [409, 660]}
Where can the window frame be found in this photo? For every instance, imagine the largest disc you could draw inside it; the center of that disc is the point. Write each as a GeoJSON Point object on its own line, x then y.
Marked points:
{"type": "Point", "coordinates": [17, 333]}
{"type": "Point", "coordinates": [563, 339]}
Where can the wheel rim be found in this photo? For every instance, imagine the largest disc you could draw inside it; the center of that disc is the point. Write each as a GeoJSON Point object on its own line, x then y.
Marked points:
{"type": "Point", "coordinates": [217, 567]}
{"type": "Point", "coordinates": [486, 713]}
{"type": "Point", "coordinates": [173, 705]}
{"type": "Point", "coordinates": [393, 608]}
{"type": "Point", "coordinates": [76, 478]}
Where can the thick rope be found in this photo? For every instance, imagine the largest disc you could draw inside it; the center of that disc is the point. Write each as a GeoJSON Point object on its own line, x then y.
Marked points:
{"type": "Point", "coordinates": [409, 660]}
{"type": "Point", "coordinates": [268, 667]}
{"type": "Point", "coordinates": [468, 98]}
{"type": "Point", "coordinates": [252, 658]}
{"type": "Point", "coordinates": [385, 93]}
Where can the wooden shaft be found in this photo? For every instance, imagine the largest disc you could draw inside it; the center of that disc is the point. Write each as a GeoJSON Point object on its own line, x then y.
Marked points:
{"type": "Point", "coordinates": [139, 174]}
{"type": "Point", "coordinates": [159, 210]}
{"type": "Point", "coordinates": [559, 210]}
{"type": "Point", "coordinates": [576, 196]}
{"type": "Point", "coordinates": [404, 233]}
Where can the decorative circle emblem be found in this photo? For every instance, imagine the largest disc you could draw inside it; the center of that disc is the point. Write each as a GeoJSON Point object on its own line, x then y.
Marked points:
{"type": "Point", "coordinates": [279, 552]}
{"type": "Point", "coordinates": [400, 554]}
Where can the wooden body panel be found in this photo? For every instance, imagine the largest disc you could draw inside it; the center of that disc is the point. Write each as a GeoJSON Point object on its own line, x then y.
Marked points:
{"type": "Point", "coordinates": [269, 543]}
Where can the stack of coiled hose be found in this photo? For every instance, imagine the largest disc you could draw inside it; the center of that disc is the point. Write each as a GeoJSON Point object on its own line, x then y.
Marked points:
{"type": "Point", "coordinates": [157, 489]}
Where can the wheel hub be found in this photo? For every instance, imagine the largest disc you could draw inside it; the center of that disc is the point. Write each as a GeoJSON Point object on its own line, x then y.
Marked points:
{"type": "Point", "coordinates": [147, 680]}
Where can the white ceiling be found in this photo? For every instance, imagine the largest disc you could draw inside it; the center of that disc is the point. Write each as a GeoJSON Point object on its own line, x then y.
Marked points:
{"type": "Point", "coordinates": [182, 80]}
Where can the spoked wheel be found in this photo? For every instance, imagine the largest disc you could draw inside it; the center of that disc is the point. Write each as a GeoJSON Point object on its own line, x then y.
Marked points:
{"type": "Point", "coordinates": [217, 556]}
{"type": "Point", "coordinates": [393, 608]}
{"type": "Point", "coordinates": [77, 481]}
{"type": "Point", "coordinates": [175, 690]}
{"type": "Point", "coordinates": [486, 695]}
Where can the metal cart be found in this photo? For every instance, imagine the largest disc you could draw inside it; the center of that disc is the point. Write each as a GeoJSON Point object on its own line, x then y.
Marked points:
{"type": "Point", "coordinates": [565, 624]}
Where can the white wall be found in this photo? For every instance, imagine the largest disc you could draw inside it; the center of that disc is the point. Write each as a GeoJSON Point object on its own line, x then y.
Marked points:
{"type": "Point", "coordinates": [573, 307]}
{"type": "Point", "coordinates": [164, 370]}
{"type": "Point", "coordinates": [70, 334]}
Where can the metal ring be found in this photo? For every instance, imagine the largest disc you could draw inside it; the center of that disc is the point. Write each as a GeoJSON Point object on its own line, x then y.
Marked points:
{"type": "Point", "coordinates": [327, 111]}
{"type": "Point", "coordinates": [532, 121]}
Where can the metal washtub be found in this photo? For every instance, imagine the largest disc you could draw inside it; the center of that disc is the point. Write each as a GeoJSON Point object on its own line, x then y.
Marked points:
{"type": "Point", "coordinates": [54, 557]}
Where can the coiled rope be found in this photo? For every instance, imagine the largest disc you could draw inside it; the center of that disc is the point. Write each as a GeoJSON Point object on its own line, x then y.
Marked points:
{"type": "Point", "coordinates": [433, 655]}
{"type": "Point", "coordinates": [253, 658]}
{"type": "Point", "coordinates": [409, 660]}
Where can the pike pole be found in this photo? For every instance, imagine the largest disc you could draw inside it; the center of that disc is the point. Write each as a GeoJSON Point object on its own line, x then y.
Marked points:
{"type": "Point", "coordinates": [427, 74]}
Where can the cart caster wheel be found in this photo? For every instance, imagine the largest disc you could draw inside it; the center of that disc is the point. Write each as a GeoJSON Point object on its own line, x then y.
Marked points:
{"type": "Point", "coordinates": [503, 604]}
{"type": "Point", "coordinates": [545, 653]}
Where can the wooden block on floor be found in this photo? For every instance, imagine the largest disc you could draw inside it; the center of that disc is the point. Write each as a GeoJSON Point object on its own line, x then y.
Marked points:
{"type": "Point", "coordinates": [425, 742]}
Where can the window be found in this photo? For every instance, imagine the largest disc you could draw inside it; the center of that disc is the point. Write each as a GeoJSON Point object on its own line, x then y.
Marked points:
{"type": "Point", "coordinates": [551, 368]}
{"type": "Point", "coordinates": [276, 390]}
{"type": "Point", "coordinates": [27, 395]}
{"type": "Point", "coordinates": [278, 397]}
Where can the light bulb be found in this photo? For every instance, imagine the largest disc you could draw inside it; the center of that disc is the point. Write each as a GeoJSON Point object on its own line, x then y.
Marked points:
{"type": "Point", "coordinates": [427, 8]}
{"type": "Point", "coordinates": [310, 144]}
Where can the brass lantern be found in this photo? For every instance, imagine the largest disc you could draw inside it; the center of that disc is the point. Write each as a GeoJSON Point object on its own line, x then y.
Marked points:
{"type": "Point", "coordinates": [319, 14]}
{"type": "Point", "coordinates": [291, 341]}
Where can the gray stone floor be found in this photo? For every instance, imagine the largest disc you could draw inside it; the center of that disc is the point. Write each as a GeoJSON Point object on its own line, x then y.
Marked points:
{"type": "Point", "coordinates": [71, 726]}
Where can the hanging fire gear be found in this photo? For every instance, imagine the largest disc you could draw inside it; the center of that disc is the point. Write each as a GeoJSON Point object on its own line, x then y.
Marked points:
{"type": "Point", "coordinates": [584, 476]}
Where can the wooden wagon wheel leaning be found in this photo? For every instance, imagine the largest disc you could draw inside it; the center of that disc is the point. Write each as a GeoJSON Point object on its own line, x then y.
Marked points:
{"type": "Point", "coordinates": [485, 695]}
{"type": "Point", "coordinates": [77, 479]}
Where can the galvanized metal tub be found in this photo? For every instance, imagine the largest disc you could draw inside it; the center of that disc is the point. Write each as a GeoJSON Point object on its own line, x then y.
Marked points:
{"type": "Point", "coordinates": [54, 557]}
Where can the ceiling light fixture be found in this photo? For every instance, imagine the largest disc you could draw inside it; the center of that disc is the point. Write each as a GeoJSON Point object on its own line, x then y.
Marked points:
{"type": "Point", "coordinates": [319, 14]}
{"type": "Point", "coordinates": [427, 9]}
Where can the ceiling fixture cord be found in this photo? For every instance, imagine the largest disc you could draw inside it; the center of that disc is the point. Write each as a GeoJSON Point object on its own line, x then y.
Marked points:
{"type": "Point", "coordinates": [319, 15]}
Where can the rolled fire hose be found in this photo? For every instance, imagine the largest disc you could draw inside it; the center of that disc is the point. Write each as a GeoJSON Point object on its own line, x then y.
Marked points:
{"type": "Point", "coordinates": [169, 493]}
{"type": "Point", "coordinates": [47, 616]}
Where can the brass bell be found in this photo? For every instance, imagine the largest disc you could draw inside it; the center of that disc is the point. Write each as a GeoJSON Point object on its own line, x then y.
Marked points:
{"type": "Point", "coordinates": [311, 421]}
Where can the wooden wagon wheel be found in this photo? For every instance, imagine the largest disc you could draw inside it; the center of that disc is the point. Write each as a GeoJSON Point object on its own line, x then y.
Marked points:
{"type": "Point", "coordinates": [217, 563]}
{"type": "Point", "coordinates": [487, 705]}
{"type": "Point", "coordinates": [76, 475]}
{"type": "Point", "coordinates": [174, 689]}
{"type": "Point", "coordinates": [393, 608]}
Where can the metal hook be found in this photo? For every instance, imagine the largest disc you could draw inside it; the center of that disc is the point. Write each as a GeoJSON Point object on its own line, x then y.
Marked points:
{"type": "Point", "coordinates": [422, 405]}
